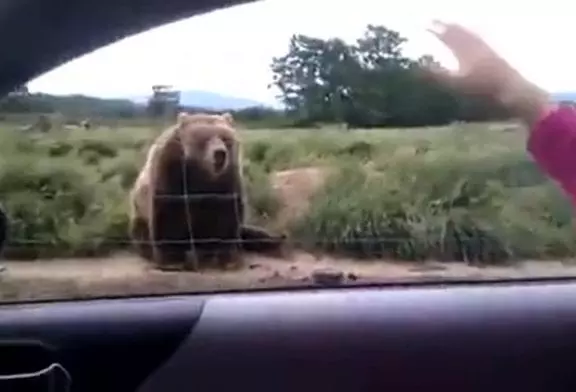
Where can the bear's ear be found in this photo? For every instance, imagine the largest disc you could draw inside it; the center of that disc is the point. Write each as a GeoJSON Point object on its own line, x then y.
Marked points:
{"type": "Point", "coordinates": [228, 118]}
{"type": "Point", "coordinates": [182, 118]}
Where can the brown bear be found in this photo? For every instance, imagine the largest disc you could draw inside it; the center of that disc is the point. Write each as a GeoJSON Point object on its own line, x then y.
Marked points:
{"type": "Point", "coordinates": [189, 197]}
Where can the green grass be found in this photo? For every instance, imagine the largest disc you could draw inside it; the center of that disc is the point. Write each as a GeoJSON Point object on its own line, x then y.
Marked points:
{"type": "Point", "coordinates": [465, 192]}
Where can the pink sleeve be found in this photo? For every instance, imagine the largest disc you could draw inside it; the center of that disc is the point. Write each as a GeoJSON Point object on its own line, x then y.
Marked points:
{"type": "Point", "coordinates": [552, 143]}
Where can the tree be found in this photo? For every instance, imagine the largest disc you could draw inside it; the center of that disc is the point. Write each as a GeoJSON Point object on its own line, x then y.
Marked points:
{"type": "Point", "coordinates": [368, 83]}
{"type": "Point", "coordinates": [314, 77]}
{"type": "Point", "coordinates": [384, 78]}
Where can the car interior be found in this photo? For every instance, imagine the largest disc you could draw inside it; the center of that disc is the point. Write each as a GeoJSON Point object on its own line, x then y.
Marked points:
{"type": "Point", "coordinates": [498, 335]}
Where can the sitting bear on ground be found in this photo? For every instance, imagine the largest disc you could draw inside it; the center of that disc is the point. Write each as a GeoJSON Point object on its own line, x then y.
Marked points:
{"type": "Point", "coordinates": [189, 197]}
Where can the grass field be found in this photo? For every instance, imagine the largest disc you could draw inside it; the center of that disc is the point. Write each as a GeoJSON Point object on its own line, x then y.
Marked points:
{"type": "Point", "coordinates": [460, 193]}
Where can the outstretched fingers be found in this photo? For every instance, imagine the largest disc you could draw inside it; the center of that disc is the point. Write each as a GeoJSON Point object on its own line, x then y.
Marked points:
{"type": "Point", "coordinates": [458, 38]}
{"type": "Point", "coordinates": [467, 47]}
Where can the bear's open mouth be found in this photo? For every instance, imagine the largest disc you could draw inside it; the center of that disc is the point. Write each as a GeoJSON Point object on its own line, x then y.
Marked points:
{"type": "Point", "coordinates": [219, 160]}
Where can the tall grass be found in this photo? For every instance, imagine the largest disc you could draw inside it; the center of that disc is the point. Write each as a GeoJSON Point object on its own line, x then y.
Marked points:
{"type": "Point", "coordinates": [466, 192]}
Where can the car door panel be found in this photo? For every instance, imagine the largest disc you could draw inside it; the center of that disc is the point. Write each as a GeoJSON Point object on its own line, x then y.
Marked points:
{"type": "Point", "coordinates": [478, 337]}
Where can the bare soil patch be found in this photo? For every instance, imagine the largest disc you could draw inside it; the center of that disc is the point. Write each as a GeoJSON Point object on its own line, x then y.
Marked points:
{"type": "Point", "coordinates": [294, 188]}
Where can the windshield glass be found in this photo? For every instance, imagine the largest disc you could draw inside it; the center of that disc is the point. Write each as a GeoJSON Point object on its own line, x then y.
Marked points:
{"type": "Point", "coordinates": [332, 156]}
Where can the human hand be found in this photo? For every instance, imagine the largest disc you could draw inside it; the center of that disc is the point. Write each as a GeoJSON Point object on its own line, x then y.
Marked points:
{"type": "Point", "coordinates": [483, 71]}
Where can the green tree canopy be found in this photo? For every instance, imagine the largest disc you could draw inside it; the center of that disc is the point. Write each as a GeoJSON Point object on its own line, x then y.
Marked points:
{"type": "Point", "coordinates": [368, 83]}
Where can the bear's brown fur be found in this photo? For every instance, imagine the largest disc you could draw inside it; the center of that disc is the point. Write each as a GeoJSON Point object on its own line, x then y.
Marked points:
{"type": "Point", "coordinates": [189, 196]}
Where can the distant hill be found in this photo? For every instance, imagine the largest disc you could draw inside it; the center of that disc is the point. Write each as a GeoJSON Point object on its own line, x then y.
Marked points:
{"type": "Point", "coordinates": [75, 105]}
{"type": "Point", "coordinates": [209, 100]}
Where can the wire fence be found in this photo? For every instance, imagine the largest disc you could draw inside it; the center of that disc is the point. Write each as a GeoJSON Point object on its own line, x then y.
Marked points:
{"type": "Point", "coordinates": [192, 201]}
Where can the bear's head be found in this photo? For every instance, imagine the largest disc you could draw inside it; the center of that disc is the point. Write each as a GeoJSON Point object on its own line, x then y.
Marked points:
{"type": "Point", "coordinates": [209, 140]}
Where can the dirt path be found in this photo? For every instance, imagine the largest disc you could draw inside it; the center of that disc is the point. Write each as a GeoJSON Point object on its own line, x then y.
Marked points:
{"type": "Point", "coordinates": [125, 274]}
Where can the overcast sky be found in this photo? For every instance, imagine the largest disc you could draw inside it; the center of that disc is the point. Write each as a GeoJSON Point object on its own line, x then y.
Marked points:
{"type": "Point", "coordinates": [229, 51]}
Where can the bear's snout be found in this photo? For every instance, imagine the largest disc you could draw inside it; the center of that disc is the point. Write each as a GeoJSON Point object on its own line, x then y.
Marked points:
{"type": "Point", "coordinates": [219, 156]}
